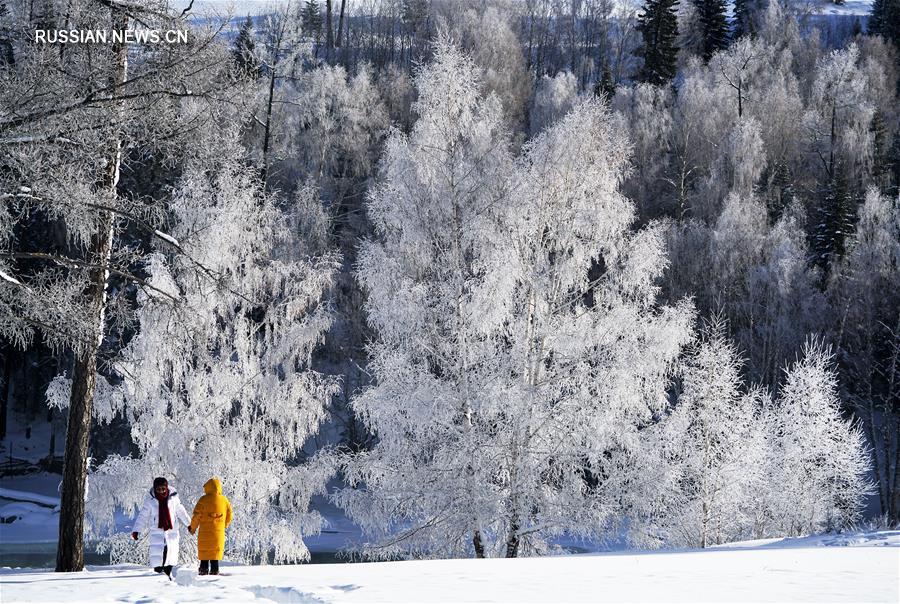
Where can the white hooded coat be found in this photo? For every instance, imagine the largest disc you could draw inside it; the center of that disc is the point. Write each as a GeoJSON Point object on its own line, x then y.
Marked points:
{"type": "Point", "coordinates": [148, 518]}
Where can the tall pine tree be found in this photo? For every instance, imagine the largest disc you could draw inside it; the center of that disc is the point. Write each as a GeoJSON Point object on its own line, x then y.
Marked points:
{"type": "Point", "coordinates": [742, 24]}
{"type": "Point", "coordinates": [834, 222]}
{"type": "Point", "coordinates": [311, 19]}
{"type": "Point", "coordinates": [244, 51]}
{"type": "Point", "coordinates": [658, 26]}
{"type": "Point", "coordinates": [714, 26]}
{"type": "Point", "coordinates": [885, 20]}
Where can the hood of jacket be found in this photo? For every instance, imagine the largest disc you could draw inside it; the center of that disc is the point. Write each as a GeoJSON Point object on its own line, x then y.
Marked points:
{"type": "Point", "coordinates": [213, 486]}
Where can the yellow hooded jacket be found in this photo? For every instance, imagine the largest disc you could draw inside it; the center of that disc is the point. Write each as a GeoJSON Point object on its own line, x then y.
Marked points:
{"type": "Point", "coordinates": [212, 514]}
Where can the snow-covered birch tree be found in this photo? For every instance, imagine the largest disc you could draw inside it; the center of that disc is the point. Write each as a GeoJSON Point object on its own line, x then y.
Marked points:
{"type": "Point", "coordinates": [840, 109]}
{"type": "Point", "coordinates": [74, 118]}
{"type": "Point", "coordinates": [518, 337]}
{"type": "Point", "coordinates": [588, 350]}
{"type": "Point", "coordinates": [729, 463]}
{"type": "Point", "coordinates": [220, 383]}
{"type": "Point", "coordinates": [553, 98]}
{"type": "Point", "coordinates": [865, 295]}
{"type": "Point", "coordinates": [708, 438]}
{"type": "Point", "coordinates": [820, 459]}
{"type": "Point", "coordinates": [435, 283]}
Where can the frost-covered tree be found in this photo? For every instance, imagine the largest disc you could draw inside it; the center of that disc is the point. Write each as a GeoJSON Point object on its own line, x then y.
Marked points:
{"type": "Point", "coordinates": [728, 464]}
{"type": "Point", "coordinates": [332, 129]}
{"type": "Point", "coordinates": [646, 111]}
{"type": "Point", "coordinates": [760, 461]}
{"type": "Point", "coordinates": [736, 170]}
{"type": "Point", "coordinates": [244, 51]}
{"type": "Point", "coordinates": [865, 295]}
{"type": "Point", "coordinates": [589, 351]}
{"type": "Point", "coordinates": [739, 68]}
{"type": "Point", "coordinates": [820, 459]}
{"type": "Point", "coordinates": [706, 438]}
{"type": "Point", "coordinates": [221, 384]}
{"type": "Point", "coordinates": [553, 98]}
{"type": "Point", "coordinates": [68, 144]}
{"type": "Point", "coordinates": [283, 47]}
{"type": "Point", "coordinates": [837, 125]}
{"type": "Point", "coordinates": [519, 341]}
{"type": "Point", "coordinates": [435, 283]}
{"type": "Point", "coordinates": [839, 113]}
{"type": "Point", "coordinates": [711, 137]}
{"type": "Point", "coordinates": [781, 303]}
{"type": "Point", "coordinates": [488, 38]}
{"type": "Point", "coordinates": [756, 275]}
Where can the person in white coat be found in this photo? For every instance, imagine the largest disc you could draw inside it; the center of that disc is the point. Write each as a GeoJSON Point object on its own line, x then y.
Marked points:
{"type": "Point", "coordinates": [160, 514]}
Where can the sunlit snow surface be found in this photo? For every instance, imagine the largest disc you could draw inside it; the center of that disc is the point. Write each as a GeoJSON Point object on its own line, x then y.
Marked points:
{"type": "Point", "coordinates": [849, 7]}
{"type": "Point", "coordinates": [854, 568]}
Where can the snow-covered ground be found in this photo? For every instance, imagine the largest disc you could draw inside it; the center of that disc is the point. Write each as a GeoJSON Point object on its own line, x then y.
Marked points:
{"type": "Point", "coordinates": [842, 567]}
{"type": "Point", "coordinates": [789, 570]}
{"type": "Point", "coordinates": [849, 7]}
{"type": "Point", "coordinates": [27, 509]}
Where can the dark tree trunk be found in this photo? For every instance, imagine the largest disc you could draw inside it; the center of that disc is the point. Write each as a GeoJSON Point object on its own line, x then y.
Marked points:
{"type": "Point", "coordinates": [31, 401]}
{"type": "Point", "coordinates": [337, 39]}
{"type": "Point", "coordinates": [329, 33]}
{"type": "Point", "coordinates": [512, 541]}
{"type": "Point", "coordinates": [6, 389]}
{"type": "Point", "coordinates": [477, 544]}
{"type": "Point", "coordinates": [892, 392]}
{"type": "Point", "coordinates": [267, 135]}
{"type": "Point", "coordinates": [70, 549]}
{"type": "Point", "coordinates": [51, 449]}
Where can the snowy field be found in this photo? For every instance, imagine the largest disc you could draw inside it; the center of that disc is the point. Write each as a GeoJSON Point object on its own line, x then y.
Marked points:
{"type": "Point", "coordinates": [849, 7]}
{"type": "Point", "coordinates": [855, 568]}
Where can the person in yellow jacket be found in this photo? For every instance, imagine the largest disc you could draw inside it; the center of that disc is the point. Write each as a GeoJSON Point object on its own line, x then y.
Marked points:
{"type": "Point", "coordinates": [211, 515]}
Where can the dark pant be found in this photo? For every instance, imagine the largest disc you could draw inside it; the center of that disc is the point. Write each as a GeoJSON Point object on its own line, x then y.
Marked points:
{"type": "Point", "coordinates": [166, 568]}
{"type": "Point", "coordinates": [209, 567]}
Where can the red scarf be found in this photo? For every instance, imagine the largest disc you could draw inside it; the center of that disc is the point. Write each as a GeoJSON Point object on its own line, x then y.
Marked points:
{"type": "Point", "coordinates": [165, 520]}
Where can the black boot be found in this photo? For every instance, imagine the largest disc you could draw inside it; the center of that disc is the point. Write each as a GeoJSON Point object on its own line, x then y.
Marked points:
{"type": "Point", "coordinates": [160, 569]}
{"type": "Point", "coordinates": [168, 570]}
{"type": "Point", "coordinates": [204, 567]}
{"type": "Point", "coordinates": [214, 567]}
